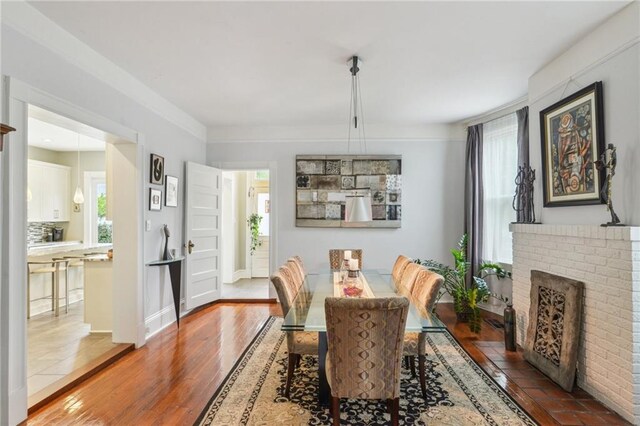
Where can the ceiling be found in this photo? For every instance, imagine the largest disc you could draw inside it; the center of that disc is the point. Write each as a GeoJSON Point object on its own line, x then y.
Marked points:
{"type": "Point", "coordinates": [57, 133]}
{"type": "Point", "coordinates": [284, 63]}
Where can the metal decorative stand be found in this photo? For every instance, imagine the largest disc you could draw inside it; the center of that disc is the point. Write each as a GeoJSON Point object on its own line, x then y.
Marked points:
{"type": "Point", "coordinates": [523, 198]}
{"type": "Point", "coordinates": [608, 161]}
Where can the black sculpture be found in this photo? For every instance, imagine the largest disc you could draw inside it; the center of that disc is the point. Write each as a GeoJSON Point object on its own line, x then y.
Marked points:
{"type": "Point", "coordinates": [523, 199]}
{"type": "Point", "coordinates": [165, 254]}
{"type": "Point", "coordinates": [608, 161]}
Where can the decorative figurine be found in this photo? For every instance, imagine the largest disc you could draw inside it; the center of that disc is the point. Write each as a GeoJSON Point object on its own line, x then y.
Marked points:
{"type": "Point", "coordinates": [523, 198]}
{"type": "Point", "coordinates": [608, 161]}
{"type": "Point", "coordinates": [165, 255]}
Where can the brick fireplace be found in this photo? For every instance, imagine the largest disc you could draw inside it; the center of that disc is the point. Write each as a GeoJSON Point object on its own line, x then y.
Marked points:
{"type": "Point", "coordinates": [607, 260]}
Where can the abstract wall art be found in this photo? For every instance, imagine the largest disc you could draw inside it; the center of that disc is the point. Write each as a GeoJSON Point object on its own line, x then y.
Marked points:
{"type": "Point", "coordinates": [572, 133]}
{"type": "Point", "coordinates": [323, 183]}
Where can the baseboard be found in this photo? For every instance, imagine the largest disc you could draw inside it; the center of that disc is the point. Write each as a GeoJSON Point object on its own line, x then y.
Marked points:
{"type": "Point", "coordinates": [246, 301]}
{"type": "Point", "coordinates": [158, 321]}
{"type": "Point", "coordinates": [240, 274]}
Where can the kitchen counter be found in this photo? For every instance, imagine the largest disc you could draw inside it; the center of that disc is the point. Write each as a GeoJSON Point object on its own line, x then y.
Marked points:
{"type": "Point", "coordinates": [47, 249]}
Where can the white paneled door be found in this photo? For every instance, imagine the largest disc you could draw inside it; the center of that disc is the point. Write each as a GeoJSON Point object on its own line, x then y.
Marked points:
{"type": "Point", "coordinates": [203, 197]}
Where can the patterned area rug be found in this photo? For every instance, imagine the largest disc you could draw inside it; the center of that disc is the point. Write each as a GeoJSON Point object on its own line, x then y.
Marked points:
{"type": "Point", "coordinates": [460, 393]}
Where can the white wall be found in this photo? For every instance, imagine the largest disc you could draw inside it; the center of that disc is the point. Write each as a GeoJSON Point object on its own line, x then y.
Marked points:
{"type": "Point", "coordinates": [610, 53]}
{"type": "Point", "coordinates": [433, 180]}
{"type": "Point", "coordinates": [42, 68]}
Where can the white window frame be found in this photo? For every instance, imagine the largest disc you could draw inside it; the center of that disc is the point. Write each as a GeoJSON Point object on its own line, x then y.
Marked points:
{"type": "Point", "coordinates": [89, 206]}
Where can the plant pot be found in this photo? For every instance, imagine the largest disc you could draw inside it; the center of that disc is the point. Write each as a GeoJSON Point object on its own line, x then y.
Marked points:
{"type": "Point", "coordinates": [464, 313]}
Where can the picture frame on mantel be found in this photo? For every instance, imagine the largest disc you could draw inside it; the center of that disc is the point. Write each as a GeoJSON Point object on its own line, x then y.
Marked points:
{"type": "Point", "coordinates": [572, 137]}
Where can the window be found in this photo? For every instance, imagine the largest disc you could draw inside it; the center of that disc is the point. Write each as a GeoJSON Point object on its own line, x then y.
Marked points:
{"type": "Point", "coordinates": [105, 228]}
{"type": "Point", "coordinates": [499, 169]}
{"type": "Point", "coordinates": [264, 209]}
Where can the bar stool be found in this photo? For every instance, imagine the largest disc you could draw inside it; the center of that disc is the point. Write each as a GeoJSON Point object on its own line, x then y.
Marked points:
{"type": "Point", "coordinates": [54, 266]}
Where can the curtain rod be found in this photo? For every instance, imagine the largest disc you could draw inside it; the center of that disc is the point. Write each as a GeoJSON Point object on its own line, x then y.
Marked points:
{"type": "Point", "coordinates": [506, 109]}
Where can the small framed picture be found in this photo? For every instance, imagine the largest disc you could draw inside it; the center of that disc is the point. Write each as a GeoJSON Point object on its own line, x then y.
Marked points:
{"type": "Point", "coordinates": [155, 199]}
{"type": "Point", "coordinates": [170, 191]}
{"type": "Point", "coordinates": [157, 170]}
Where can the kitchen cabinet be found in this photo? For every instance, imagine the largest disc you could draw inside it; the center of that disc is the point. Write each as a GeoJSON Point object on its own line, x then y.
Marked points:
{"type": "Point", "coordinates": [50, 188]}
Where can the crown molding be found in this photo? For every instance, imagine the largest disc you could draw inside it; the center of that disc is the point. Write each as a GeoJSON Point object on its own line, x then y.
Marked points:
{"type": "Point", "coordinates": [31, 23]}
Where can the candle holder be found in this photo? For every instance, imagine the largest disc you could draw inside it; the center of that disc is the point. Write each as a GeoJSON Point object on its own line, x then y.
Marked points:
{"type": "Point", "coordinates": [354, 273]}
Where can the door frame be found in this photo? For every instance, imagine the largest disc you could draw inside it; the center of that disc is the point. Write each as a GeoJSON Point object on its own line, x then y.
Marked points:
{"type": "Point", "coordinates": [272, 166]}
{"type": "Point", "coordinates": [17, 97]}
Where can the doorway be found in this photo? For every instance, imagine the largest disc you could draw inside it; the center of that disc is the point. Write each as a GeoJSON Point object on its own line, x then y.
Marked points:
{"type": "Point", "coordinates": [70, 240]}
{"type": "Point", "coordinates": [246, 234]}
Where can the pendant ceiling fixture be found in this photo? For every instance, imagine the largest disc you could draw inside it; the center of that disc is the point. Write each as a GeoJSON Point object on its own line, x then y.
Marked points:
{"type": "Point", "coordinates": [78, 197]}
{"type": "Point", "coordinates": [358, 206]}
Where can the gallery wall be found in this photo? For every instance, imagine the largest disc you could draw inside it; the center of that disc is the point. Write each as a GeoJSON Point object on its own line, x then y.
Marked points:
{"type": "Point", "coordinates": [611, 54]}
{"type": "Point", "coordinates": [432, 200]}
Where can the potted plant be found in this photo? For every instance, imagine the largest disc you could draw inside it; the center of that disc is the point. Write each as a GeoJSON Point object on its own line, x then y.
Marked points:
{"type": "Point", "coordinates": [466, 297]}
{"type": "Point", "coordinates": [254, 227]}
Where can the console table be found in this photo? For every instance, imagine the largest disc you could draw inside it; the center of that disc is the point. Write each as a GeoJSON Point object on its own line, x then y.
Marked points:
{"type": "Point", "coordinates": [175, 274]}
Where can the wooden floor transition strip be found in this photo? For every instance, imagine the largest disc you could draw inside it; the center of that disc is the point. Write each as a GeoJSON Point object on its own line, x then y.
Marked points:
{"type": "Point", "coordinates": [57, 388]}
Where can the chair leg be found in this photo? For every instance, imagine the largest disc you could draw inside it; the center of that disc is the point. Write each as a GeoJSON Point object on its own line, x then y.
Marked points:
{"type": "Point", "coordinates": [394, 410]}
{"type": "Point", "coordinates": [66, 290]}
{"type": "Point", "coordinates": [335, 410]}
{"type": "Point", "coordinates": [421, 370]}
{"type": "Point", "coordinates": [298, 359]}
{"type": "Point", "coordinates": [412, 365]}
{"type": "Point", "coordinates": [406, 361]}
{"type": "Point", "coordinates": [290, 368]}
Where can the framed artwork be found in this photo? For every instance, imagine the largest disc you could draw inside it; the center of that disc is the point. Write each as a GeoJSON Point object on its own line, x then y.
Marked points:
{"type": "Point", "coordinates": [572, 136]}
{"type": "Point", "coordinates": [325, 184]}
{"type": "Point", "coordinates": [157, 170]}
{"type": "Point", "coordinates": [155, 199]}
{"type": "Point", "coordinates": [171, 191]}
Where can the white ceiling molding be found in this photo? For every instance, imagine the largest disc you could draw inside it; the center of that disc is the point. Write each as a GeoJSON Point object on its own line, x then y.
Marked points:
{"type": "Point", "coordinates": [33, 24]}
{"type": "Point", "coordinates": [496, 112]}
{"type": "Point", "coordinates": [319, 134]}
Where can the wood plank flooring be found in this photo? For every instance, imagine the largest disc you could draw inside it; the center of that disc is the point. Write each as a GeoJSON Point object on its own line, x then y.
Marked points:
{"type": "Point", "coordinates": [170, 380]}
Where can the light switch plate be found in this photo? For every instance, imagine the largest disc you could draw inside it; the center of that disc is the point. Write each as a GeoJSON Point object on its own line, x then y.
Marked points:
{"type": "Point", "coordinates": [147, 225]}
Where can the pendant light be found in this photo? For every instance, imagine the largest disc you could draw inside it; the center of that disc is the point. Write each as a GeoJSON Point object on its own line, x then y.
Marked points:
{"type": "Point", "coordinates": [358, 206]}
{"type": "Point", "coordinates": [78, 197]}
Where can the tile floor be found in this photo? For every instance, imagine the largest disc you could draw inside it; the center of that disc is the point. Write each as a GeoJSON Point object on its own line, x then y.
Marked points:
{"type": "Point", "coordinates": [567, 408]}
{"type": "Point", "coordinates": [254, 288]}
{"type": "Point", "coordinates": [58, 346]}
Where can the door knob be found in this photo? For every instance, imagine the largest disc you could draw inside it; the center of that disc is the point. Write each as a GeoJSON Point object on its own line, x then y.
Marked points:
{"type": "Point", "coordinates": [190, 246]}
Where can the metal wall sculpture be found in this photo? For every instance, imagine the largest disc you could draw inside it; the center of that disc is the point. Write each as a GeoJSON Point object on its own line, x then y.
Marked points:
{"type": "Point", "coordinates": [607, 162]}
{"type": "Point", "coordinates": [324, 181]}
{"type": "Point", "coordinates": [523, 199]}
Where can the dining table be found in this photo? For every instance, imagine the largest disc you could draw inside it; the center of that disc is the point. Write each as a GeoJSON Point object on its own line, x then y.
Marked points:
{"type": "Point", "coordinates": [307, 311]}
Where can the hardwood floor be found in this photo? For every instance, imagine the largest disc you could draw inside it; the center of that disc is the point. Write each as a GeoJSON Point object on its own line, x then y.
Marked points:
{"type": "Point", "coordinates": [170, 380]}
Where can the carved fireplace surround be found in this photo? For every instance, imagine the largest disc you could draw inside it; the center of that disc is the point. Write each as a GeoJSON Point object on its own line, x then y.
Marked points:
{"type": "Point", "coordinates": [607, 260]}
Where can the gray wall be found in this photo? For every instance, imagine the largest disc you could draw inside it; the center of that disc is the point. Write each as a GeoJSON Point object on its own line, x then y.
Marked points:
{"type": "Point", "coordinates": [610, 54]}
{"type": "Point", "coordinates": [432, 201]}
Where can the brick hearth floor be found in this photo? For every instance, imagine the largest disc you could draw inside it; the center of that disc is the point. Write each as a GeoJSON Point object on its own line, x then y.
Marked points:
{"type": "Point", "coordinates": [545, 401]}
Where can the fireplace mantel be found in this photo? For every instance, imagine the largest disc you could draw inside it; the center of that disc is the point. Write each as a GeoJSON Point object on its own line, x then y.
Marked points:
{"type": "Point", "coordinates": [607, 260]}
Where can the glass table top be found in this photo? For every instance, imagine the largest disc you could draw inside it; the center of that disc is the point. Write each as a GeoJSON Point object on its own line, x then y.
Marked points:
{"type": "Point", "coordinates": [307, 310]}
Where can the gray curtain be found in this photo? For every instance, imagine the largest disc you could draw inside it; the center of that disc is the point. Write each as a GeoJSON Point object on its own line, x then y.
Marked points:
{"type": "Point", "coordinates": [473, 197]}
{"type": "Point", "coordinates": [523, 136]}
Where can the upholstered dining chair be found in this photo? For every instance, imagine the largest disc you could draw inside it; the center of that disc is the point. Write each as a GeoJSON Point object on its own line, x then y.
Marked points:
{"type": "Point", "coordinates": [298, 342]}
{"type": "Point", "coordinates": [408, 278]}
{"type": "Point", "coordinates": [424, 294]}
{"type": "Point", "coordinates": [296, 268]}
{"type": "Point", "coordinates": [336, 256]}
{"type": "Point", "coordinates": [398, 268]}
{"type": "Point", "coordinates": [300, 264]}
{"type": "Point", "coordinates": [365, 350]}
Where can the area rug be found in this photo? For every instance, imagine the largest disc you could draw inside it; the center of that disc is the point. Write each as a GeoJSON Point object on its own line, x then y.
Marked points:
{"type": "Point", "coordinates": [460, 393]}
